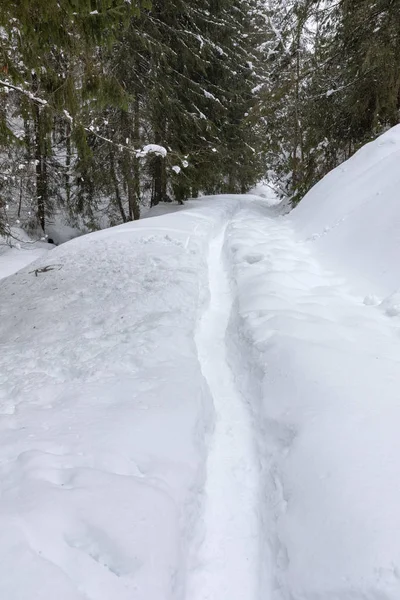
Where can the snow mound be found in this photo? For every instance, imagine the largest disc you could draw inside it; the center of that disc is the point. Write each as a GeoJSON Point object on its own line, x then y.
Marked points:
{"type": "Point", "coordinates": [60, 232]}
{"type": "Point", "coordinates": [320, 370]}
{"type": "Point", "coordinates": [104, 411]}
{"type": "Point", "coordinates": [352, 217]}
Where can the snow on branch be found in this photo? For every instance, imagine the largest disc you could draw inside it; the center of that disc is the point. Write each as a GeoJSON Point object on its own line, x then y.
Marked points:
{"type": "Point", "coordinates": [152, 149]}
{"type": "Point", "coordinates": [149, 149]}
{"type": "Point", "coordinates": [21, 90]}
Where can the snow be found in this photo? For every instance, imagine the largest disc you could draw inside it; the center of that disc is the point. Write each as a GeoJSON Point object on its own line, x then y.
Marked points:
{"type": "Point", "coordinates": [104, 411]}
{"type": "Point", "coordinates": [60, 232]}
{"type": "Point", "coordinates": [266, 191]}
{"type": "Point", "coordinates": [228, 531]}
{"type": "Point", "coordinates": [152, 149]}
{"type": "Point", "coordinates": [204, 404]}
{"type": "Point", "coordinates": [351, 217]}
{"type": "Point", "coordinates": [321, 369]}
{"type": "Point", "coordinates": [19, 251]}
{"type": "Point", "coordinates": [163, 208]}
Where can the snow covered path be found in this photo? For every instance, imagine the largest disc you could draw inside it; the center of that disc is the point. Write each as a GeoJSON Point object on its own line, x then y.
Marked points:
{"type": "Point", "coordinates": [228, 554]}
{"type": "Point", "coordinates": [150, 455]}
{"type": "Point", "coordinates": [321, 368]}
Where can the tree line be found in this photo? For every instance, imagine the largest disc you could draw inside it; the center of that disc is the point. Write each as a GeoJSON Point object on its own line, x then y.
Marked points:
{"type": "Point", "coordinates": [109, 104]}
{"type": "Point", "coordinates": [332, 84]}
{"type": "Point", "coordinates": [106, 102]}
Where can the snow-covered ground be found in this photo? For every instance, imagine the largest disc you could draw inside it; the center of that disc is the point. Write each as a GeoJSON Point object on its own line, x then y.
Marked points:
{"type": "Point", "coordinates": [352, 219]}
{"type": "Point", "coordinates": [204, 405]}
{"type": "Point", "coordinates": [321, 372]}
{"type": "Point", "coordinates": [18, 251]}
{"type": "Point", "coordinates": [104, 411]}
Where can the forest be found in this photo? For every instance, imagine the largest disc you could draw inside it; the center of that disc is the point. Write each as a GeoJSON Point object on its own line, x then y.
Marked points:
{"type": "Point", "coordinates": [107, 106]}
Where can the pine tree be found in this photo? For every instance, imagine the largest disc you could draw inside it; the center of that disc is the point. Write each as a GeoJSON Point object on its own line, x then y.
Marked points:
{"type": "Point", "coordinates": [95, 80]}
{"type": "Point", "coordinates": [301, 75]}
{"type": "Point", "coordinates": [48, 61]}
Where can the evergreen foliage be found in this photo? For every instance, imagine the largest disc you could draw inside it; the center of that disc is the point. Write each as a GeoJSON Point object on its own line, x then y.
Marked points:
{"type": "Point", "coordinates": [332, 84]}
{"type": "Point", "coordinates": [106, 105]}
{"type": "Point", "coordinates": [86, 84]}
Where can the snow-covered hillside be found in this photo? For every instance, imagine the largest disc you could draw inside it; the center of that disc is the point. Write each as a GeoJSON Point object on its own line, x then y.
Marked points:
{"type": "Point", "coordinates": [203, 405]}
{"type": "Point", "coordinates": [320, 371]}
{"type": "Point", "coordinates": [352, 216]}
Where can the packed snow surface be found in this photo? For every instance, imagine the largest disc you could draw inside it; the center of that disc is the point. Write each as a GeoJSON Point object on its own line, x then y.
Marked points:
{"type": "Point", "coordinates": [204, 405]}
{"type": "Point", "coordinates": [226, 566]}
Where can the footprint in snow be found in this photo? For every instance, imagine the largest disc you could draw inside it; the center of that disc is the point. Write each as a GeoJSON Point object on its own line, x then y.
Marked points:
{"type": "Point", "coordinates": [253, 258]}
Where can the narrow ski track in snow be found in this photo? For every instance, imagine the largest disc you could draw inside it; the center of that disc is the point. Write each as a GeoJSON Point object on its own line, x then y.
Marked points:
{"type": "Point", "coordinates": [227, 559]}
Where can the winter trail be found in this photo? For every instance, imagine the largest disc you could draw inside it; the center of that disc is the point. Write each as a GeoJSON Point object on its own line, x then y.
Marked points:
{"type": "Point", "coordinates": [226, 562]}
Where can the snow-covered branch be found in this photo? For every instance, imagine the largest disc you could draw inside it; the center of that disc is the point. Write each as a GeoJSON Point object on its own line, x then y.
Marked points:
{"type": "Point", "coordinates": [149, 149]}
{"type": "Point", "coordinates": [23, 91]}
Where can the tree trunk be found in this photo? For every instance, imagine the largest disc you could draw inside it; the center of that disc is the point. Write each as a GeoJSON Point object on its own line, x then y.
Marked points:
{"type": "Point", "coordinates": [296, 136]}
{"type": "Point", "coordinates": [40, 159]}
{"type": "Point", "coordinates": [118, 198]}
{"type": "Point", "coordinates": [131, 184]}
{"type": "Point", "coordinates": [41, 179]}
{"type": "Point", "coordinates": [159, 180]}
{"type": "Point", "coordinates": [134, 182]}
{"type": "Point", "coordinates": [68, 164]}
{"type": "Point", "coordinates": [231, 183]}
{"type": "Point", "coordinates": [159, 166]}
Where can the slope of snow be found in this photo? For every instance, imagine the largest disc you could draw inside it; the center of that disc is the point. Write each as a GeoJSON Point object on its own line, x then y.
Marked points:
{"type": "Point", "coordinates": [163, 208]}
{"type": "Point", "coordinates": [352, 217]}
{"type": "Point", "coordinates": [321, 372]}
{"type": "Point", "coordinates": [104, 412]}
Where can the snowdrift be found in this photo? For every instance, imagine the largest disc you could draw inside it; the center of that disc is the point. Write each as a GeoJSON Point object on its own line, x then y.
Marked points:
{"type": "Point", "coordinates": [320, 370]}
{"type": "Point", "coordinates": [352, 217]}
{"type": "Point", "coordinates": [104, 412]}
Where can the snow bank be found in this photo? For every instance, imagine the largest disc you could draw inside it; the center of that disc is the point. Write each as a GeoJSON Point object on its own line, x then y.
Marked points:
{"type": "Point", "coordinates": [163, 208]}
{"type": "Point", "coordinates": [60, 233]}
{"type": "Point", "coordinates": [352, 216]}
{"type": "Point", "coordinates": [104, 412]}
{"type": "Point", "coordinates": [320, 370]}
